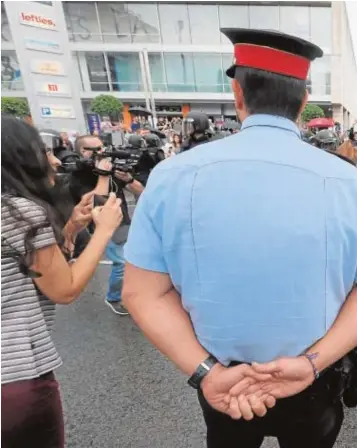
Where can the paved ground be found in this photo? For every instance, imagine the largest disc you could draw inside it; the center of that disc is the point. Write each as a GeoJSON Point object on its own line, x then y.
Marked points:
{"type": "Point", "coordinates": [119, 392]}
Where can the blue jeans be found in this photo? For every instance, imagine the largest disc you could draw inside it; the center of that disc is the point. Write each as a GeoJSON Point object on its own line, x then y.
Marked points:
{"type": "Point", "coordinates": [115, 253]}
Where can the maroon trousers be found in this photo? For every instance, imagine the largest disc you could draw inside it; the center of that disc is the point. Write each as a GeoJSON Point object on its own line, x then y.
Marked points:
{"type": "Point", "coordinates": [32, 414]}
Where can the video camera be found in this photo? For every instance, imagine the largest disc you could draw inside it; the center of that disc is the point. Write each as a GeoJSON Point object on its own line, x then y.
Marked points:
{"type": "Point", "coordinates": [128, 160]}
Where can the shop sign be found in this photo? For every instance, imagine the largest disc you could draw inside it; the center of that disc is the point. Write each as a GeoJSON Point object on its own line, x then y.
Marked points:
{"type": "Point", "coordinates": [37, 20]}
{"type": "Point", "coordinates": [47, 67]}
{"type": "Point", "coordinates": [53, 89]}
{"type": "Point", "coordinates": [46, 46]}
{"type": "Point", "coordinates": [57, 111]}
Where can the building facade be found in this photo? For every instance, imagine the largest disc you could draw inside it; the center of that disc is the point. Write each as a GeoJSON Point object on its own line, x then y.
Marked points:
{"type": "Point", "coordinates": [167, 56]}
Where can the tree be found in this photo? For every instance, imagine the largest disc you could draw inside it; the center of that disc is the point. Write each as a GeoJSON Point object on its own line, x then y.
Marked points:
{"type": "Point", "coordinates": [312, 111]}
{"type": "Point", "coordinates": [107, 105]}
{"type": "Point", "coordinates": [15, 106]}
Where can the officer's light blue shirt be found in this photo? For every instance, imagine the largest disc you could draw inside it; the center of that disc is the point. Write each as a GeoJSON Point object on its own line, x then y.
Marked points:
{"type": "Point", "coordinates": [258, 233]}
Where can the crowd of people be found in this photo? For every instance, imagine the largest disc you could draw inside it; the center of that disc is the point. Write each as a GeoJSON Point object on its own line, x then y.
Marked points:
{"type": "Point", "coordinates": [240, 263]}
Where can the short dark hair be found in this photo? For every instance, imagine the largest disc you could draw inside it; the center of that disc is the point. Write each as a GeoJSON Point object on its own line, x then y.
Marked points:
{"type": "Point", "coordinates": [79, 142]}
{"type": "Point", "coordinates": [270, 93]}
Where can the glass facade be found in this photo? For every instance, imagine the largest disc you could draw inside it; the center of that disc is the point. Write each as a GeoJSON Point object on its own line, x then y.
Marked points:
{"type": "Point", "coordinates": [11, 79]}
{"type": "Point", "coordinates": [181, 72]}
{"type": "Point", "coordinates": [197, 24]}
{"type": "Point", "coordinates": [125, 72]}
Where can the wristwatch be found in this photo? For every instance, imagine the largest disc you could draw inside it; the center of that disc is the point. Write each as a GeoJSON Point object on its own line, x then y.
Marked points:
{"type": "Point", "coordinates": [202, 370]}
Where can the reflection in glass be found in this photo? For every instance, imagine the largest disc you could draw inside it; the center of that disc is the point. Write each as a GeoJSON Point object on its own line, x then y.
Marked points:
{"type": "Point", "coordinates": [11, 78]}
{"type": "Point", "coordinates": [264, 17]}
{"type": "Point", "coordinates": [320, 76]}
{"type": "Point", "coordinates": [321, 27]}
{"type": "Point", "coordinates": [81, 21]}
{"type": "Point", "coordinates": [174, 24]}
{"type": "Point", "coordinates": [204, 24]}
{"type": "Point", "coordinates": [97, 72]}
{"type": "Point", "coordinates": [114, 22]}
{"type": "Point", "coordinates": [128, 23]}
{"type": "Point", "coordinates": [144, 22]}
{"type": "Point", "coordinates": [208, 72]}
{"type": "Point", "coordinates": [179, 72]}
{"type": "Point", "coordinates": [157, 72]}
{"type": "Point", "coordinates": [125, 71]}
{"type": "Point", "coordinates": [294, 20]}
{"type": "Point", "coordinates": [5, 28]}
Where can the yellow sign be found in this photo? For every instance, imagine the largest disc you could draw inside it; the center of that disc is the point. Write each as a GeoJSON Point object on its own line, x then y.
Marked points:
{"type": "Point", "coordinates": [47, 67]}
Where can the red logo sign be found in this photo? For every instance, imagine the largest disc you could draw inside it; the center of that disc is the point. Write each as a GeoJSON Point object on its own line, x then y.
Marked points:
{"type": "Point", "coordinates": [52, 87]}
{"type": "Point", "coordinates": [36, 19]}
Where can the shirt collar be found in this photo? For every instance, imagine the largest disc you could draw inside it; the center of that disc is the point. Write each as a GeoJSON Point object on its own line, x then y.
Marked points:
{"type": "Point", "coordinates": [271, 121]}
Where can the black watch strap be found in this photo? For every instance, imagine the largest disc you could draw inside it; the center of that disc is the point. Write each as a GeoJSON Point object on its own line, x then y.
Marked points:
{"type": "Point", "coordinates": [201, 371]}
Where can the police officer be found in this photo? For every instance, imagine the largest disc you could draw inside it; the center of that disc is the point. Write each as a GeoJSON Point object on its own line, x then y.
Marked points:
{"type": "Point", "coordinates": [195, 130]}
{"type": "Point", "coordinates": [251, 258]}
{"type": "Point", "coordinates": [325, 139]}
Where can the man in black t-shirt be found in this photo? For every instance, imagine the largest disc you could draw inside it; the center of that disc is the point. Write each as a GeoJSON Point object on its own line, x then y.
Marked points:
{"type": "Point", "coordinates": [84, 181]}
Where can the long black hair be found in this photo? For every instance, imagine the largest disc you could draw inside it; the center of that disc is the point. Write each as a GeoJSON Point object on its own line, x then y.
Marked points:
{"type": "Point", "coordinates": [26, 173]}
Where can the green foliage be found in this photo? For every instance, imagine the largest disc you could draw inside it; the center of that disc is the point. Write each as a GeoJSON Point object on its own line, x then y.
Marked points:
{"type": "Point", "coordinates": [107, 105]}
{"type": "Point", "coordinates": [15, 106]}
{"type": "Point", "coordinates": [312, 111]}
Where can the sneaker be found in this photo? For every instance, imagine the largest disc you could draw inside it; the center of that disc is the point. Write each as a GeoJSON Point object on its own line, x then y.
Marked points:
{"type": "Point", "coordinates": [117, 308]}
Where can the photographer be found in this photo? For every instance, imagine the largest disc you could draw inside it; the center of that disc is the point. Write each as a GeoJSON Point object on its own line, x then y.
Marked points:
{"type": "Point", "coordinates": [36, 277]}
{"type": "Point", "coordinates": [87, 179]}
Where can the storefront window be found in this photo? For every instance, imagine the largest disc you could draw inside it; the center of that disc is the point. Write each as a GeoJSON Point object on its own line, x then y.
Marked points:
{"type": "Point", "coordinates": [5, 28]}
{"type": "Point", "coordinates": [82, 23]}
{"type": "Point", "coordinates": [321, 27]}
{"type": "Point", "coordinates": [320, 76]}
{"type": "Point", "coordinates": [232, 16]}
{"type": "Point", "coordinates": [294, 20]}
{"type": "Point", "coordinates": [179, 72]}
{"type": "Point", "coordinates": [208, 72]}
{"type": "Point", "coordinates": [174, 24]}
{"type": "Point", "coordinates": [125, 71]}
{"type": "Point", "coordinates": [264, 17]}
{"type": "Point", "coordinates": [97, 72]}
{"type": "Point", "coordinates": [11, 79]}
{"type": "Point", "coordinates": [204, 24]}
{"type": "Point", "coordinates": [157, 72]}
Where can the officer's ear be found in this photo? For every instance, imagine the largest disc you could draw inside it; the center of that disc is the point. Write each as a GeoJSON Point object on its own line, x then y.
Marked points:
{"type": "Point", "coordinates": [239, 100]}
{"type": "Point", "coordinates": [303, 104]}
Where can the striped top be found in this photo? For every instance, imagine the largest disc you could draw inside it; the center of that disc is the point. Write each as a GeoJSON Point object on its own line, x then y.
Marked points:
{"type": "Point", "coordinates": [27, 317]}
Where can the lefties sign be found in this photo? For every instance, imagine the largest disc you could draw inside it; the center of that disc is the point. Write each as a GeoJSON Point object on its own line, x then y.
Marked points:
{"type": "Point", "coordinates": [37, 20]}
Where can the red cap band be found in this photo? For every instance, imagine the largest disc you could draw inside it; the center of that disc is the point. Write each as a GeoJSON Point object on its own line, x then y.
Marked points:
{"type": "Point", "coordinates": [271, 60]}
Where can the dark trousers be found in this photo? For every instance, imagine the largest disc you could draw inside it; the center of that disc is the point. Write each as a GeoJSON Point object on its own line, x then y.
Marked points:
{"type": "Point", "coordinates": [311, 419]}
{"type": "Point", "coordinates": [31, 414]}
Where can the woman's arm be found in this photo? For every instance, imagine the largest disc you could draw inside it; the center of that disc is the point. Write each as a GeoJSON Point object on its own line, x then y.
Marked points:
{"type": "Point", "coordinates": [62, 282]}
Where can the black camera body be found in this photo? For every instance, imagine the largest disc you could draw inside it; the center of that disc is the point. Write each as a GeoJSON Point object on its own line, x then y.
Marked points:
{"type": "Point", "coordinates": [128, 160]}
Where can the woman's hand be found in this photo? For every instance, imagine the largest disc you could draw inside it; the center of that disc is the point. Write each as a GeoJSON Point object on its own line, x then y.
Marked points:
{"type": "Point", "coordinates": [108, 217]}
{"type": "Point", "coordinates": [82, 213]}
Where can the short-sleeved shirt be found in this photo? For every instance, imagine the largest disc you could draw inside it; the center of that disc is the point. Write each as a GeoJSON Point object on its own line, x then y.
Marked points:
{"type": "Point", "coordinates": [27, 316]}
{"type": "Point", "coordinates": [258, 233]}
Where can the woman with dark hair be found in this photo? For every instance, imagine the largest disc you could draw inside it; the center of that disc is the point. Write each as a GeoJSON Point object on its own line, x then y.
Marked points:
{"type": "Point", "coordinates": [36, 276]}
{"type": "Point", "coordinates": [177, 143]}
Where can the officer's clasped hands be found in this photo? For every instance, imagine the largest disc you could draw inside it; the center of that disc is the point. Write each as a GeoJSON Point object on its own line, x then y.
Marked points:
{"type": "Point", "coordinates": [246, 391]}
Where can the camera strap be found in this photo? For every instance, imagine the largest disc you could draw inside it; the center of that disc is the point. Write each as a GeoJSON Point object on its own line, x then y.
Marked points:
{"type": "Point", "coordinates": [100, 172]}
